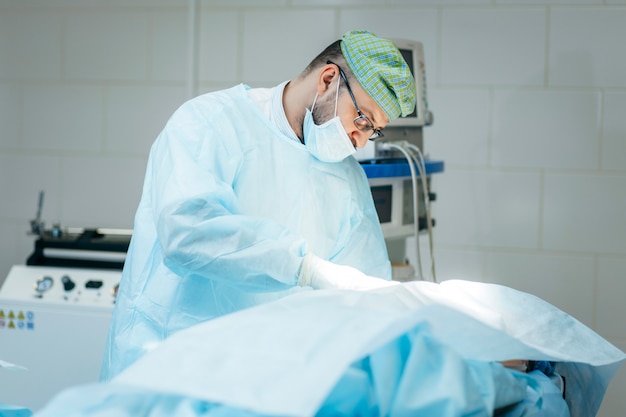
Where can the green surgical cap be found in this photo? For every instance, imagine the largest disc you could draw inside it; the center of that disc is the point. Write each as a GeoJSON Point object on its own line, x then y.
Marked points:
{"type": "Point", "coordinates": [382, 72]}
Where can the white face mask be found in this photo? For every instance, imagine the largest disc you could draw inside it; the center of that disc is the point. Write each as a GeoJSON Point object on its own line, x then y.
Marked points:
{"type": "Point", "coordinates": [328, 142]}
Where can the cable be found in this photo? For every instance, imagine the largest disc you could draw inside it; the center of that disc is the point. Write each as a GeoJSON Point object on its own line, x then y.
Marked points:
{"type": "Point", "coordinates": [388, 146]}
{"type": "Point", "coordinates": [421, 165]}
{"type": "Point", "coordinates": [409, 151]}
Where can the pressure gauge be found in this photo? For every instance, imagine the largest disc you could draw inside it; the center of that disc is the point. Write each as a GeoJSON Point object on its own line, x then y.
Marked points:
{"type": "Point", "coordinates": [43, 284]}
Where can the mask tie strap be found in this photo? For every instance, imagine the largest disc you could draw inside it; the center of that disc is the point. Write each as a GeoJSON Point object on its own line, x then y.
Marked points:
{"type": "Point", "coordinates": [337, 95]}
{"type": "Point", "coordinates": [313, 105]}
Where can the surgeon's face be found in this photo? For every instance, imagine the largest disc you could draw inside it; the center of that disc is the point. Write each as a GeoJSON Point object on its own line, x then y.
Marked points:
{"type": "Point", "coordinates": [324, 110]}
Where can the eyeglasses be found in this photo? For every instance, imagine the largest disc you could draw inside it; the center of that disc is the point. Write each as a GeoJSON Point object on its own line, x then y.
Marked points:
{"type": "Point", "coordinates": [361, 121]}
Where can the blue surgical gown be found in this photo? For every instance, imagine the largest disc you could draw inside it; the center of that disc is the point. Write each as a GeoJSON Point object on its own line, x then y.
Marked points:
{"type": "Point", "coordinates": [229, 208]}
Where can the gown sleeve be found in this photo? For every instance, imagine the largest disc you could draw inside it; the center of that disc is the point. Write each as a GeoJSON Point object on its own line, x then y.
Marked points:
{"type": "Point", "coordinates": [201, 230]}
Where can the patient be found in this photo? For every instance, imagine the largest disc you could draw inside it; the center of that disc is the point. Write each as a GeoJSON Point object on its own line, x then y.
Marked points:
{"type": "Point", "coordinates": [410, 349]}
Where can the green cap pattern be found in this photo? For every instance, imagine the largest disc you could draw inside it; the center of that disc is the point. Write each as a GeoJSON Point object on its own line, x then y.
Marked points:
{"type": "Point", "coordinates": [382, 72]}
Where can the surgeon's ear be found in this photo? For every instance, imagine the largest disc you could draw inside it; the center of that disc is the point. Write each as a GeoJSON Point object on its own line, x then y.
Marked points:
{"type": "Point", "coordinates": [327, 75]}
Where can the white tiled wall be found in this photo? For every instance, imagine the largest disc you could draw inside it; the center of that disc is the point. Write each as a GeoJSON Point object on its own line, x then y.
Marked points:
{"type": "Point", "coordinates": [10, 113]}
{"type": "Point", "coordinates": [30, 41]}
{"type": "Point", "coordinates": [302, 34]}
{"type": "Point", "coordinates": [546, 129]}
{"type": "Point", "coordinates": [219, 47]}
{"type": "Point", "coordinates": [586, 49]}
{"type": "Point", "coordinates": [62, 118]}
{"type": "Point", "coordinates": [613, 152]}
{"type": "Point", "coordinates": [493, 46]}
{"type": "Point", "coordinates": [488, 208]}
{"type": "Point", "coordinates": [529, 100]}
{"type": "Point", "coordinates": [131, 113]}
{"type": "Point", "coordinates": [585, 213]}
{"type": "Point", "coordinates": [611, 289]}
{"type": "Point", "coordinates": [106, 45]}
{"type": "Point", "coordinates": [469, 135]}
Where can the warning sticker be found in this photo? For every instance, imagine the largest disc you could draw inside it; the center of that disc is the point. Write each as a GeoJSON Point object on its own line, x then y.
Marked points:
{"type": "Point", "coordinates": [17, 320]}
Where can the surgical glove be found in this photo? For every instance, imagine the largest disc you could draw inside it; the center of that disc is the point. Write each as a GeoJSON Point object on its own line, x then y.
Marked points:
{"type": "Point", "coordinates": [320, 274]}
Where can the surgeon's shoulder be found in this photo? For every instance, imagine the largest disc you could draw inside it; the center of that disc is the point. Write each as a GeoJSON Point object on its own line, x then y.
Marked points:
{"type": "Point", "coordinates": [353, 169]}
{"type": "Point", "coordinates": [209, 106]}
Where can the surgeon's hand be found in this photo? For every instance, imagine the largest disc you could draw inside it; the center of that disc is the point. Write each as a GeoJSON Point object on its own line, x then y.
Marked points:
{"type": "Point", "coordinates": [321, 274]}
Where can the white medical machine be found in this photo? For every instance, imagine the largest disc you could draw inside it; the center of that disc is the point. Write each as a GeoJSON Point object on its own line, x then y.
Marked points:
{"type": "Point", "coordinates": [55, 311]}
{"type": "Point", "coordinates": [399, 175]}
{"type": "Point", "coordinates": [53, 323]}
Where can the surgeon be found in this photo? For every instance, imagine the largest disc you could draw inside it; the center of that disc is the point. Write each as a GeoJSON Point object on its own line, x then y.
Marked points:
{"type": "Point", "coordinates": [251, 194]}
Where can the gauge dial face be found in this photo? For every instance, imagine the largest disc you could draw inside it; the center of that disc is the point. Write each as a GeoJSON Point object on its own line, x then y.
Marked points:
{"type": "Point", "coordinates": [43, 284]}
